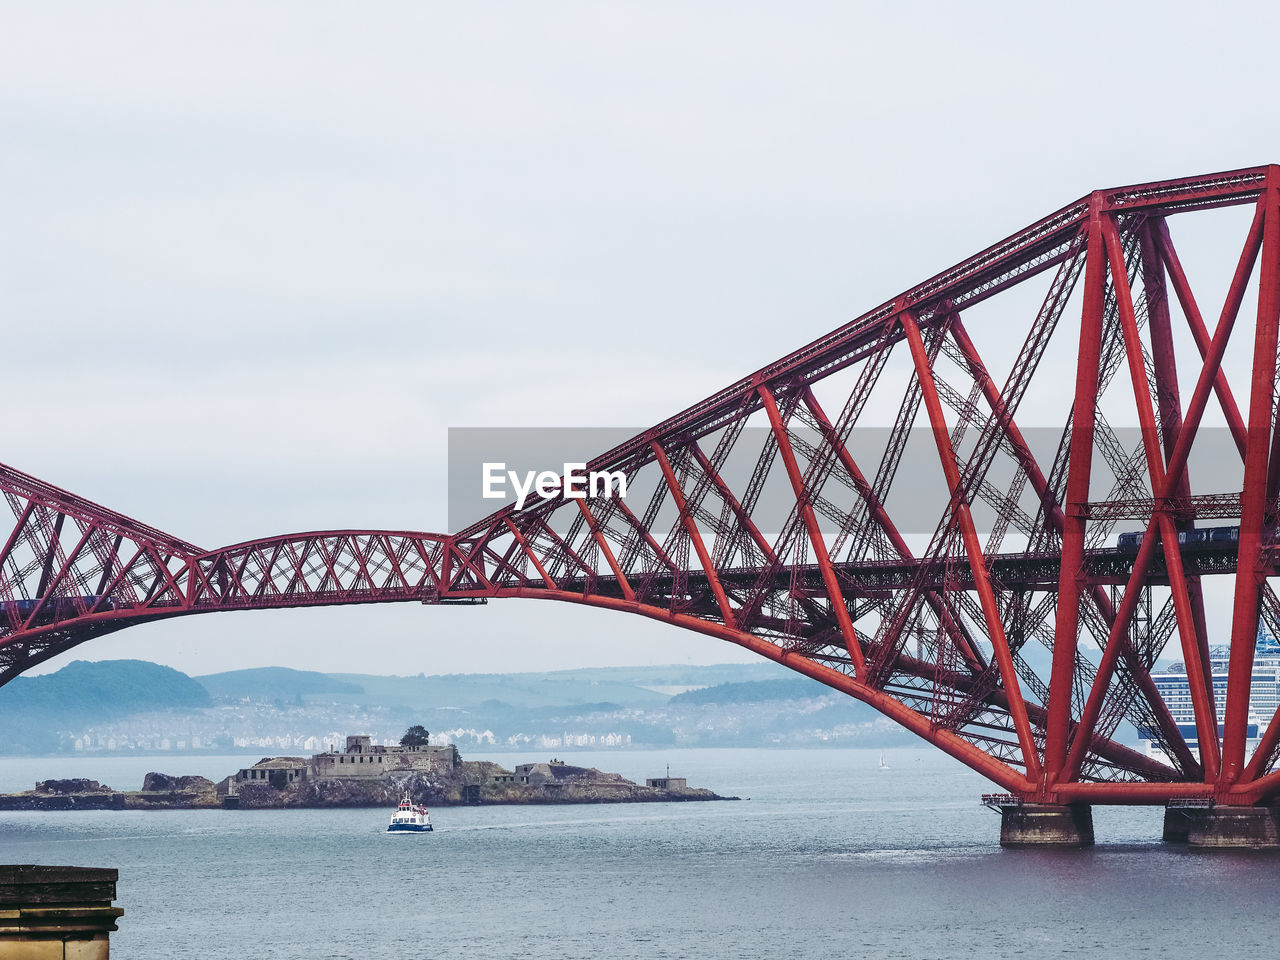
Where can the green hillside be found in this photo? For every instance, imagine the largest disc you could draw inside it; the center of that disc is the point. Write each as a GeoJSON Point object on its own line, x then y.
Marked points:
{"type": "Point", "coordinates": [517, 690]}
{"type": "Point", "coordinates": [756, 691]}
{"type": "Point", "coordinates": [273, 683]}
{"type": "Point", "coordinates": [623, 686]}
{"type": "Point", "coordinates": [33, 709]}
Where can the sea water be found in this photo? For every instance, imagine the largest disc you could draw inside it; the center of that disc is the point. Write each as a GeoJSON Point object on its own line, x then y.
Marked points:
{"type": "Point", "coordinates": [826, 855]}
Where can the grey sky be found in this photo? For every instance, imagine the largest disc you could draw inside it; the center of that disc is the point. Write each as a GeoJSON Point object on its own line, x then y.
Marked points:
{"type": "Point", "coordinates": [257, 258]}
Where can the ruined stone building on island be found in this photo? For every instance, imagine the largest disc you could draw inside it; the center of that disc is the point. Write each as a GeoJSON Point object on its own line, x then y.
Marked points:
{"type": "Point", "coordinates": [359, 760]}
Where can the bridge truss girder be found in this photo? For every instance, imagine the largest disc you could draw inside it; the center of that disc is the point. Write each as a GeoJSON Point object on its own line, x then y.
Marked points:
{"type": "Point", "coordinates": [1019, 661]}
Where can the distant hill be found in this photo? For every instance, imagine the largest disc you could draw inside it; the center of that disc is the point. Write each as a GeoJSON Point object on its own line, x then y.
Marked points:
{"type": "Point", "coordinates": [712, 705]}
{"type": "Point", "coordinates": [637, 687]}
{"type": "Point", "coordinates": [33, 709]}
{"type": "Point", "coordinates": [274, 683]}
{"type": "Point", "coordinates": [756, 691]}
{"type": "Point", "coordinates": [110, 688]}
{"type": "Point", "coordinates": [523, 690]}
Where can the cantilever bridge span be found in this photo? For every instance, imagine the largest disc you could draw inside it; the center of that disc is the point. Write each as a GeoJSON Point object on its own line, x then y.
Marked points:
{"type": "Point", "coordinates": [1019, 649]}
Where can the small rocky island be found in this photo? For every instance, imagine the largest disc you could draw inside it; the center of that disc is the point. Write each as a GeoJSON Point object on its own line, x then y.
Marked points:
{"type": "Point", "coordinates": [363, 775]}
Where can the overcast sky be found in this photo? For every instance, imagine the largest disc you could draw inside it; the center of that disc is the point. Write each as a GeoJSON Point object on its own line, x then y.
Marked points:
{"type": "Point", "coordinates": [257, 258]}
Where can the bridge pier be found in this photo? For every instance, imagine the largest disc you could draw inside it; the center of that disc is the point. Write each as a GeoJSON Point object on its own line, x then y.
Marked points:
{"type": "Point", "coordinates": [1042, 824]}
{"type": "Point", "coordinates": [1177, 824]}
{"type": "Point", "coordinates": [1222, 827]}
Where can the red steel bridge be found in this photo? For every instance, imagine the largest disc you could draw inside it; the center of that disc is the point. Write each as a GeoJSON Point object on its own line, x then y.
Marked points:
{"type": "Point", "coordinates": [1019, 650]}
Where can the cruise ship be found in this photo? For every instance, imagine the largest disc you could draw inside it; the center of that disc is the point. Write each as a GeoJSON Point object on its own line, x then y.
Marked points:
{"type": "Point", "coordinates": [1263, 701]}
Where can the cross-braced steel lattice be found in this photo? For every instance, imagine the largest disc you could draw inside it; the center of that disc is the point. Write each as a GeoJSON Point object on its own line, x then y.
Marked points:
{"type": "Point", "coordinates": [1004, 621]}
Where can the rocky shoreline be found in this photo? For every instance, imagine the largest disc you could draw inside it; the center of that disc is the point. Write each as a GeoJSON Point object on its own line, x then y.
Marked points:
{"type": "Point", "coordinates": [469, 783]}
{"type": "Point", "coordinates": [159, 792]}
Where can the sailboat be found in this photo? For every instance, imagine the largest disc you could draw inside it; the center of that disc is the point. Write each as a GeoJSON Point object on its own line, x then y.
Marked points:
{"type": "Point", "coordinates": [883, 765]}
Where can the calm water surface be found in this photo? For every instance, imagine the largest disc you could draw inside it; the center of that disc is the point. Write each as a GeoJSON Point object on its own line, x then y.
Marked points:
{"type": "Point", "coordinates": [829, 857]}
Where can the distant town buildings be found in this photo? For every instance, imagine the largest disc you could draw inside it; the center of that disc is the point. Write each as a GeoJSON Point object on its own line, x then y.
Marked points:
{"type": "Point", "coordinates": [249, 728]}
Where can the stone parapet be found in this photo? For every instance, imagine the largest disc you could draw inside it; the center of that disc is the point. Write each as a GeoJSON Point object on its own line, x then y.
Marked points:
{"type": "Point", "coordinates": [57, 913]}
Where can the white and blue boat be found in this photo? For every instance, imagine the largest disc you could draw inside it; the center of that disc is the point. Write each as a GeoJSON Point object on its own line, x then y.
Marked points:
{"type": "Point", "coordinates": [410, 818]}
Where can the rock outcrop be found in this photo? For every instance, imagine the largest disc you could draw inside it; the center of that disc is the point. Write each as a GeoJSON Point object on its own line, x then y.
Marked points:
{"type": "Point", "coordinates": [64, 787]}
{"type": "Point", "coordinates": [164, 790]}
{"type": "Point", "coordinates": [64, 795]}
{"type": "Point", "coordinates": [163, 783]}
